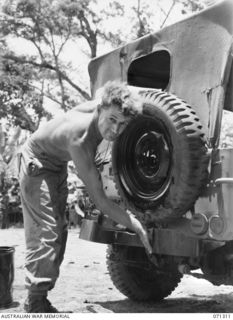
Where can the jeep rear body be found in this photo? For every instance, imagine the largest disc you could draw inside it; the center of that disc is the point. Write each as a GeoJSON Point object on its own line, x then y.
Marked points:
{"type": "Point", "coordinates": [193, 60]}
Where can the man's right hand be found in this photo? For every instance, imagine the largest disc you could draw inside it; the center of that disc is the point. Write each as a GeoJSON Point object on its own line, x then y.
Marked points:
{"type": "Point", "coordinates": [142, 233]}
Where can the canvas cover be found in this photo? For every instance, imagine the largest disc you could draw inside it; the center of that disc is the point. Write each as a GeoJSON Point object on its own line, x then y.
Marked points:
{"type": "Point", "coordinates": [200, 63]}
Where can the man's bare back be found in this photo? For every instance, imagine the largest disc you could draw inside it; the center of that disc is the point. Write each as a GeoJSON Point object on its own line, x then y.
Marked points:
{"type": "Point", "coordinates": [55, 136]}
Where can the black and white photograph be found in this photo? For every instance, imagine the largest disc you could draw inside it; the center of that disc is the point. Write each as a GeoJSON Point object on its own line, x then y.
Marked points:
{"type": "Point", "coordinates": [116, 159]}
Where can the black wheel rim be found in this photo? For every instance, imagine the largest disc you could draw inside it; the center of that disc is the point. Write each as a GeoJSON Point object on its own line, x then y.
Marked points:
{"type": "Point", "coordinates": [143, 160]}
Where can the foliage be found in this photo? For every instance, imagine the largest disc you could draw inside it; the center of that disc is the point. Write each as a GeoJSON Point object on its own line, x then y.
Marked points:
{"type": "Point", "coordinates": [20, 104]}
{"type": "Point", "coordinates": [50, 26]}
{"type": "Point", "coordinates": [141, 25]}
{"type": "Point", "coordinates": [191, 5]}
{"type": "Point", "coordinates": [226, 136]}
{"type": "Point", "coordinates": [10, 204]}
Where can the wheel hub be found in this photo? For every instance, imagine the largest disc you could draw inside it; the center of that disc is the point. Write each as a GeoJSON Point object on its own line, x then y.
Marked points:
{"type": "Point", "coordinates": [145, 160]}
{"type": "Point", "coordinates": [148, 153]}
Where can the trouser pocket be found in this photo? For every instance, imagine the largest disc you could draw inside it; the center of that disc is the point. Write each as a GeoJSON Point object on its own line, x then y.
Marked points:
{"type": "Point", "coordinates": [32, 165]}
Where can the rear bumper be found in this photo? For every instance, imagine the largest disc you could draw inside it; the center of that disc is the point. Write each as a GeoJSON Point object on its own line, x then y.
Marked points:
{"type": "Point", "coordinates": [164, 241]}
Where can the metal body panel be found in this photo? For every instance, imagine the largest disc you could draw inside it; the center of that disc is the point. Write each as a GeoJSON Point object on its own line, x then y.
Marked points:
{"type": "Point", "coordinates": [172, 241]}
{"type": "Point", "coordinates": [91, 230]}
{"type": "Point", "coordinates": [217, 200]}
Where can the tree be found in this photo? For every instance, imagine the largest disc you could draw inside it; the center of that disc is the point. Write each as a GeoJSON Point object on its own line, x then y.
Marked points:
{"type": "Point", "coordinates": [192, 5]}
{"type": "Point", "coordinates": [20, 104]}
{"type": "Point", "coordinates": [143, 14]}
{"type": "Point", "coordinates": [9, 186]}
{"type": "Point", "coordinates": [50, 25]}
{"type": "Point", "coordinates": [146, 16]}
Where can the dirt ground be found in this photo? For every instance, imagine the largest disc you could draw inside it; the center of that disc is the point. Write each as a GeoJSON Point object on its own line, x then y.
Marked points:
{"type": "Point", "coordinates": [84, 285]}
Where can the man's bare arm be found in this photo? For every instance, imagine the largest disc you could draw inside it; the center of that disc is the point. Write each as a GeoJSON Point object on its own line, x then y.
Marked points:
{"type": "Point", "coordinates": [89, 174]}
{"type": "Point", "coordinates": [92, 180]}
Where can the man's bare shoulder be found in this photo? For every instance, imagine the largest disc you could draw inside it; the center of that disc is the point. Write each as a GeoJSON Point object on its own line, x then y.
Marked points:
{"type": "Point", "coordinates": [76, 128]}
{"type": "Point", "coordinates": [86, 107]}
{"type": "Point", "coordinates": [77, 120]}
{"type": "Point", "coordinates": [66, 131]}
{"type": "Point", "coordinates": [66, 126]}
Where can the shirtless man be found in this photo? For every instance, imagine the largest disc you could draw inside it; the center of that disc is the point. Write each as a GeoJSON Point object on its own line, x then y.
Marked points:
{"type": "Point", "coordinates": [43, 181]}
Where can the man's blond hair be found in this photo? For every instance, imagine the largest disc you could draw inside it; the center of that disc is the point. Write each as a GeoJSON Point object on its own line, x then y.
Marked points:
{"type": "Point", "coordinates": [118, 94]}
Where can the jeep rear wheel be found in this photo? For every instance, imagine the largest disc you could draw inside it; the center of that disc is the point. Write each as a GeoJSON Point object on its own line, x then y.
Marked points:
{"type": "Point", "coordinates": [160, 161]}
{"type": "Point", "coordinates": [138, 279]}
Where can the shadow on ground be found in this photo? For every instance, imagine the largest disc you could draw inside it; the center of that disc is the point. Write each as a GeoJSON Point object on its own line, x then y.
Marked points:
{"type": "Point", "coordinates": [14, 304]}
{"type": "Point", "coordinates": [197, 304]}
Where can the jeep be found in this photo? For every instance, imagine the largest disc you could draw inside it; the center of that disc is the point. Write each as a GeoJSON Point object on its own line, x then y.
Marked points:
{"type": "Point", "coordinates": [168, 167]}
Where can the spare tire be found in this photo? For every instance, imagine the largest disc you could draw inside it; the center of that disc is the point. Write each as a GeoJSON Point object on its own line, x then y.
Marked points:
{"type": "Point", "coordinates": [160, 160]}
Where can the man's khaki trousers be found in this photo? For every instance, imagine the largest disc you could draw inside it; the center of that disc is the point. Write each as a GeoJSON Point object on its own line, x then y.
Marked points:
{"type": "Point", "coordinates": [43, 183]}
